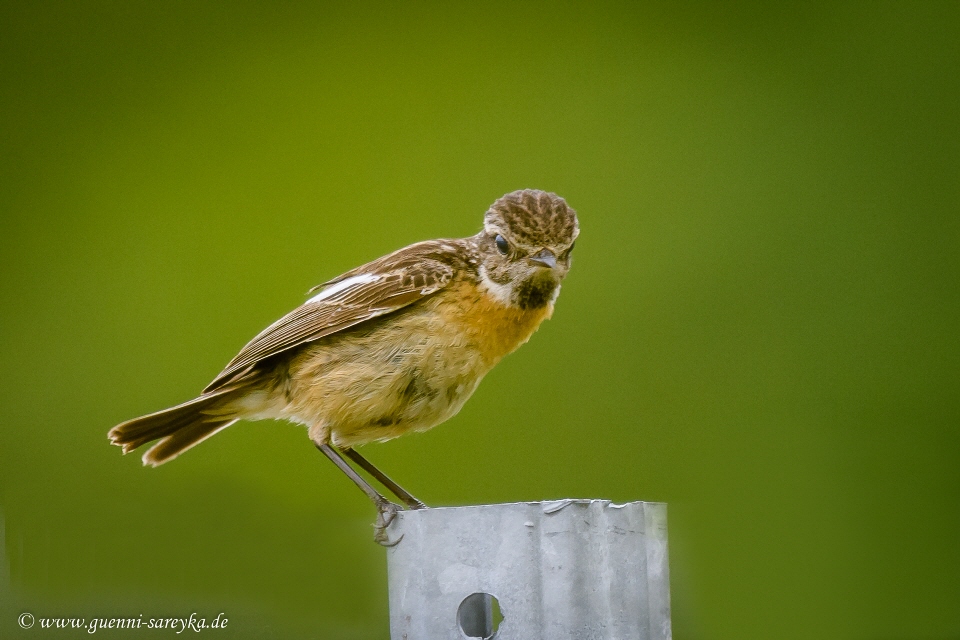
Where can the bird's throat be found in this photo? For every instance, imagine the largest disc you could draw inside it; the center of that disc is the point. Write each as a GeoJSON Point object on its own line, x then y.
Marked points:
{"type": "Point", "coordinates": [536, 292]}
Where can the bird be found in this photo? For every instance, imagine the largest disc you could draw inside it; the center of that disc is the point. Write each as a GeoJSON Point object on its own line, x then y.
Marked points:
{"type": "Point", "coordinates": [395, 346]}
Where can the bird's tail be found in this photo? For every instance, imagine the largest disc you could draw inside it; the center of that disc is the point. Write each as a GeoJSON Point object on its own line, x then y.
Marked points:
{"type": "Point", "coordinates": [177, 428]}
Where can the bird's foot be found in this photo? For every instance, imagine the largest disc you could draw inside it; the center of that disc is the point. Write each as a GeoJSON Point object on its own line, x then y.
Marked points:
{"type": "Point", "coordinates": [415, 504]}
{"type": "Point", "coordinates": [386, 512]}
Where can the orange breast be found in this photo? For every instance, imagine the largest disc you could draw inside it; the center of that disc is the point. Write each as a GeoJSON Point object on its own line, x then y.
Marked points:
{"type": "Point", "coordinates": [494, 328]}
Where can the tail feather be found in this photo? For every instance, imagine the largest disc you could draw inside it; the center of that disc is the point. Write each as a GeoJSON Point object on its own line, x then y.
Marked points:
{"type": "Point", "coordinates": [177, 428]}
{"type": "Point", "coordinates": [187, 437]}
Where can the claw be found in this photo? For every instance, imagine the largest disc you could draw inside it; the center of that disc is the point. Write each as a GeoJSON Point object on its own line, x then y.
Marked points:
{"type": "Point", "coordinates": [386, 512]}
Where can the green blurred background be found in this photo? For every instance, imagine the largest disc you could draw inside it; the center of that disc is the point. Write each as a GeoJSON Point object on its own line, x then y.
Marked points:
{"type": "Point", "coordinates": [760, 328]}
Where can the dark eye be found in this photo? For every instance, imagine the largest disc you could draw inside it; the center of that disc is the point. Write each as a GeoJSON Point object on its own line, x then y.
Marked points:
{"type": "Point", "coordinates": [502, 245]}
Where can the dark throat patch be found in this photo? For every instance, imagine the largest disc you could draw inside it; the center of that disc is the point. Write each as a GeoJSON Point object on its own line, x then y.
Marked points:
{"type": "Point", "coordinates": [535, 293]}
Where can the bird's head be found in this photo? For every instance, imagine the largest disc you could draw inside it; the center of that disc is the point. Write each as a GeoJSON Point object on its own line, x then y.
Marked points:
{"type": "Point", "coordinates": [525, 246]}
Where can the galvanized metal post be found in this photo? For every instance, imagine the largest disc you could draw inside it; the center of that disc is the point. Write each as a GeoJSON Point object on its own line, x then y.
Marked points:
{"type": "Point", "coordinates": [561, 570]}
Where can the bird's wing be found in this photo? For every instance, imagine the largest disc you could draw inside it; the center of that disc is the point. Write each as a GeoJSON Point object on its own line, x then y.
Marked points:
{"type": "Point", "coordinates": [375, 289]}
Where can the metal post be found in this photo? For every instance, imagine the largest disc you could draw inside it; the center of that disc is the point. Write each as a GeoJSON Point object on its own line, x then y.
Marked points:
{"type": "Point", "coordinates": [561, 570]}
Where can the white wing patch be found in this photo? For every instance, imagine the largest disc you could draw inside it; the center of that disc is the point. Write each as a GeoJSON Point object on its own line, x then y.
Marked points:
{"type": "Point", "coordinates": [363, 278]}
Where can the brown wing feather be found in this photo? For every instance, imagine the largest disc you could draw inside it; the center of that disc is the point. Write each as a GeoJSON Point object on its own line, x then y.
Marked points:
{"type": "Point", "coordinates": [386, 285]}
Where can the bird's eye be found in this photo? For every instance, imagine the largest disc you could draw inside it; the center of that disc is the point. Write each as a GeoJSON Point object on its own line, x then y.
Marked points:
{"type": "Point", "coordinates": [502, 245]}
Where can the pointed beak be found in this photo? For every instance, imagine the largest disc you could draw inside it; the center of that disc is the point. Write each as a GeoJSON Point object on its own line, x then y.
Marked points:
{"type": "Point", "coordinates": [544, 258]}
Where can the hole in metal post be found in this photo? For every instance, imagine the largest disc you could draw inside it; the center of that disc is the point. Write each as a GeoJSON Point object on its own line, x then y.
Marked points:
{"type": "Point", "coordinates": [479, 616]}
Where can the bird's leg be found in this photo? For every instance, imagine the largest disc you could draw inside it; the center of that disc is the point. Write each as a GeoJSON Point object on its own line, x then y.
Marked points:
{"type": "Point", "coordinates": [386, 510]}
{"type": "Point", "coordinates": [407, 498]}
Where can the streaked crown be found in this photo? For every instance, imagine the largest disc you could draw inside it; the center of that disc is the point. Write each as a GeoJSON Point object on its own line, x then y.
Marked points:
{"type": "Point", "coordinates": [533, 218]}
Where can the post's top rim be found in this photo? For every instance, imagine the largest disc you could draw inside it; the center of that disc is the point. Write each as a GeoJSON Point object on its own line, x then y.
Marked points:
{"type": "Point", "coordinates": [548, 506]}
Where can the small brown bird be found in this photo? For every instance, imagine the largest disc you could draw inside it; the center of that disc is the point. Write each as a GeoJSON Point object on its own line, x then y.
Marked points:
{"type": "Point", "coordinates": [396, 345]}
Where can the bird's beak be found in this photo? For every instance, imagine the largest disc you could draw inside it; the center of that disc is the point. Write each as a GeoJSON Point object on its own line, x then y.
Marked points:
{"type": "Point", "coordinates": [544, 258]}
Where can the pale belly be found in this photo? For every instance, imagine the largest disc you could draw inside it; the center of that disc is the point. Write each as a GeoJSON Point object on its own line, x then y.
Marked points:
{"type": "Point", "coordinates": [394, 376]}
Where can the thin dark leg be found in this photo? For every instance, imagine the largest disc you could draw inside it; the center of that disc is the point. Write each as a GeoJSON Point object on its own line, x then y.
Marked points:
{"type": "Point", "coordinates": [404, 495]}
{"type": "Point", "coordinates": [386, 510]}
{"type": "Point", "coordinates": [365, 486]}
